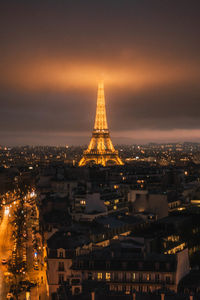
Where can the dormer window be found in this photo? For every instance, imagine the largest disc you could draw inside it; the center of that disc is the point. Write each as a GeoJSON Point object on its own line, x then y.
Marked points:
{"type": "Point", "coordinates": [61, 253]}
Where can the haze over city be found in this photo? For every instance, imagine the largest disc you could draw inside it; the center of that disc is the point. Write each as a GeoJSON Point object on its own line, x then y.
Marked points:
{"type": "Point", "coordinates": [53, 54]}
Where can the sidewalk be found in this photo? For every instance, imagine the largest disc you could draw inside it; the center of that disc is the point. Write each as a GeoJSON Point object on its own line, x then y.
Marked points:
{"type": "Point", "coordinates": [39, 276]}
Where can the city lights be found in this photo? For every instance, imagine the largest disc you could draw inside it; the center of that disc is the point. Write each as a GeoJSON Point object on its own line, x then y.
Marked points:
{"type": "Point", "coordinates": [115, 216]}
{"type": "Point", "coordinates": [6, 211]}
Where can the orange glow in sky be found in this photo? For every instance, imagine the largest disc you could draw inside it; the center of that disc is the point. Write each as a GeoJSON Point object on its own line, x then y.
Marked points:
{"type": "Point", "coordinates": [53, 53]}
{"type": "Point", "coordinates": [61, 75]}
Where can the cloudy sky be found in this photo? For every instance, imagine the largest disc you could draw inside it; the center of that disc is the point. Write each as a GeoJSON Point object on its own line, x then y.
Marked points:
{"type": "Point", "coordinates": [52, 54]}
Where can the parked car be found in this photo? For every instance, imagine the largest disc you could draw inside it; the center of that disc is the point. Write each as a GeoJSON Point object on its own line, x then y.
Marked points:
{"type": "Point", "coordinates": [36, 267]}
{"type": "Point", "coordinates": [4, 261]}
{"type": "Point", "coordinates": [10, 296]}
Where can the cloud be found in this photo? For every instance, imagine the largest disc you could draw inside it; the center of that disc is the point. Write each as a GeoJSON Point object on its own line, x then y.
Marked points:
{"type": "Point", "coordinates": [52, 55]}
{"type": "Point", "coordinates": [60, 75]}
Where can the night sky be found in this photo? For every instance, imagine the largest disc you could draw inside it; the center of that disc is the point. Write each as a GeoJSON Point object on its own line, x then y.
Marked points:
{"type": "Point", "coordinates": [52, 54]}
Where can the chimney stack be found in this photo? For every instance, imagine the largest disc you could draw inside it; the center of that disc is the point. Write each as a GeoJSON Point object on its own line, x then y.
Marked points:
{"type": "Point", "coordinates": [162, 296]}
{"type": "Point", "coordinates": [191, 297]}
{"type": "Point", "coordinates": [134, 296]}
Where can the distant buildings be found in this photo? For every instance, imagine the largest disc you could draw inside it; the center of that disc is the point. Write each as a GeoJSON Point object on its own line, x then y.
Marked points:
{"type": "Point", "coordinates": [125, 268]}
{"type": "Point", "coordinates": [119, 231]}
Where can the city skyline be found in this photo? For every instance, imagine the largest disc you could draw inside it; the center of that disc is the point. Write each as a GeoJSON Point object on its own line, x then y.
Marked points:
{"type": "Point", "coordinates": [53, 55]}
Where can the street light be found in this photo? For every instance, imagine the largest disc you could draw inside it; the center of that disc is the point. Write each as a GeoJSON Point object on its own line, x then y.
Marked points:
{"type": "Point", "coordinates": [6, 211]}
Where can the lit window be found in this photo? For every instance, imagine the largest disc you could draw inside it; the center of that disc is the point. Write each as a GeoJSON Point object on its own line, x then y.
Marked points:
{"type": "Point", "coordinates": [133, 276]}
{"type": "Point", "coordinates": [148, 277]}
{"type": "Point", "coordinates": [82, 202]}
{"type": "Point", "coordinates": [128, 289]}
{"type": "Point", "coordinates": [116, 201]}
{"type": "Point", "coordinates": [108, 276]}
{"type": "Point", "coordinates": [115, 207]}
{"type": "Point", "coordinates": [99, 276]}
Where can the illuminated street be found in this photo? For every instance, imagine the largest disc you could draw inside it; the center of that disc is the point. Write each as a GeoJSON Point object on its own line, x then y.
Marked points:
{"type": "Point", "coordinates": [32, 256]}
{"type": "Point", "coordinates": [39, 276]}
{"type": "Point", "coordinates": [5, 250]}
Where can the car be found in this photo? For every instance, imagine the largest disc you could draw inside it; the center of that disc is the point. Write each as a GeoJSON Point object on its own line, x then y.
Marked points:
{"type": "Point", "coordinates": [32, 283]}
{"type": "Point", "coordinates": [35, 265]}
{"type": "Point", "coordinates": [4, 261]}
{"type": "Point", "coordinates": [24, 283]}
{"type": "Point", "coordinates": [10, 296]}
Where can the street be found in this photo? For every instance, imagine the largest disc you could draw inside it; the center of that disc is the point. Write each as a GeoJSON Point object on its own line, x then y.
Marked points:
{"type": "Point", "coordinates": [5, 250]}
{"type": "Point", "coordinates": [39, 276]}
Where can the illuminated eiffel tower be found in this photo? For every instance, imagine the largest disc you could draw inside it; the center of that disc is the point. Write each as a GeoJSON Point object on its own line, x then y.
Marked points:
{"type": "Point", "coordinates": [100, 150]}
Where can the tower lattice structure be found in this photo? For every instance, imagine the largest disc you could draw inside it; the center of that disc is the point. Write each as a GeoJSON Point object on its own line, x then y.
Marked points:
{"type": "Point", "coordinates": [100, 149]}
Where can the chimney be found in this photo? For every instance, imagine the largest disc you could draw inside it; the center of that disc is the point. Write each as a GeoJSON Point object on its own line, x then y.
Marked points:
{"type": "Point", "coordinates": [191, 297]}
{"type": "Point", "coordinates": [92, 295]}
{"type": "Point", "coordinates": [162, 296]}
{"type": "Point", "coordinates": [134, 296]}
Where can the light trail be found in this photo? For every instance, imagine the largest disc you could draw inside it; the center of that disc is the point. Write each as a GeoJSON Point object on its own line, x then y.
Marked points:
{"type": "Point", "coordinates": [4, 248]}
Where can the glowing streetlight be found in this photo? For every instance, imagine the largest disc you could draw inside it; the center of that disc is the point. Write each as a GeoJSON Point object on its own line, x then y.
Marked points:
{"type": "Point", "coordinates": [6, 211]}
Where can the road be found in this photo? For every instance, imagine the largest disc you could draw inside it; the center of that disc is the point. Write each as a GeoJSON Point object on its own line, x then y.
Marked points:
{"type": "Point", "coordinates": [39, 276]}
{"type": "Point", "coordinates": [5, 250]}
{"type": "Point", "coordinates": [6, 246]}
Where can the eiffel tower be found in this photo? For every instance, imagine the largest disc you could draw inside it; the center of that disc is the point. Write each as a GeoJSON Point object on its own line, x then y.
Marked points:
{"type": "Point", "coordinates": [100, 150]}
